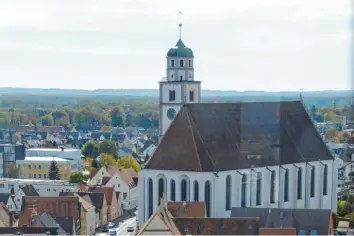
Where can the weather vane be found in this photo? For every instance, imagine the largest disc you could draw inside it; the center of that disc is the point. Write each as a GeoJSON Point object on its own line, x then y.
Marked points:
{"type": "Point", "coordinates": [180, 26]}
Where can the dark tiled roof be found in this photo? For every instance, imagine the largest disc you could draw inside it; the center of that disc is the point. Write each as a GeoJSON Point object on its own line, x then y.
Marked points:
{"type": "Point", "coordinates": [305, 219]}
{"type": "Point", "coordinates": [4, 197]}
{"type": "Point", "coordinates": [96, 198]}
{"type": "Point", "coordinates": [108, 192]}
{"type": "Point", "coordinates": [66, 222]}
{"type": "Point", "coordinates": [217, 226]}
{"type": "Point", "coordinates": [47, 220]}
{"type": "Point", "coordinates": [29, 190]}
{"type": "Point", "coordinates": [228, 136]}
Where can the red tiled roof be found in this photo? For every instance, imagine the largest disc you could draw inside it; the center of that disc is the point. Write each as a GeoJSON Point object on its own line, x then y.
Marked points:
{"type": "Point", "coordinates": [187, 209]}
{"type": "Point", "coordinates": [108, 192]}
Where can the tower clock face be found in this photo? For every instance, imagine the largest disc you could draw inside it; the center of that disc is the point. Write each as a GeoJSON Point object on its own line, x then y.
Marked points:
{"type": "Point", "coordinates": [171, 113]}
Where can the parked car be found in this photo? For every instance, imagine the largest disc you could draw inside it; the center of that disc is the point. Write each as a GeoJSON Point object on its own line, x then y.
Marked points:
{"type": "Point", "coordinates": [130, 229]}
{"type": "Point", "coordinates": [112, 232]}
{"type": "Point", "coordinates": [105, 228]}
{"type": "Point", "coordinates": [111, 225]}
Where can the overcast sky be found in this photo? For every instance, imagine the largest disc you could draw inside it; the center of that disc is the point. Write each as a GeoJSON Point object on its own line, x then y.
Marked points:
{"type": "Point", "coordinates": [271, 45]}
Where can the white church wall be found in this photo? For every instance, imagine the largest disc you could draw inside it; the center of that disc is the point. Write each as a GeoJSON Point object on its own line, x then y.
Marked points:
{"type": "Point", "coordinates": [165, 120]}
{"type": "Point", "coordinates": [171, 86]}
{"type": "Point", "coordinates": [218, 188]}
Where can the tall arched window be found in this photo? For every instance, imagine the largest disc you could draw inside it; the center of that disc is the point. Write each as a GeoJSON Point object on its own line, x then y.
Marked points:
{"type": "Point", "coordinates": [286, 185]}
{"type": "Point", "coordinates": [173, 190]}
{"type": "Point", "coordinates": [161, 190]}
{"type": "Point", "coordinates": [312, 184]}
{"type": "Point", "coordinates": [299, 183]}
{"type": "Point", "coordinates": [207, 197]}
{"type": "Point", "coordinates": [272, 187]}
{"type": "Point", "coordinates": [150, 196]}
{"type": "Point", "coordinates": [184, 190]}
{"type": "Point", "coordinates": [325, 176]}
{"type": "Point", "coordinates": [196, 191]}
{"type": "Point", "coordinates": [243, 190]}
{"type": "Point", "coordinates": [259, 189]}
{"type": "Point", "coordinates": [228, 193]}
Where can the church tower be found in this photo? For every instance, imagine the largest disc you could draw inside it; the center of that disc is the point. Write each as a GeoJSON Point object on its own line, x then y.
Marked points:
{"type": "Point", "coordinates": [179, 86]}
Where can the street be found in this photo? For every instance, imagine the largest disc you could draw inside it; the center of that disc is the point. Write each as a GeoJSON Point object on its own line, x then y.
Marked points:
{"type": "Point", "coordinates": [122, 226]}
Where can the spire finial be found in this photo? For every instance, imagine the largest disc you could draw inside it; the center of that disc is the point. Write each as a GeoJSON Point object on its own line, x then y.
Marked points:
{"type": "Point", "coordinates": [180, 26]}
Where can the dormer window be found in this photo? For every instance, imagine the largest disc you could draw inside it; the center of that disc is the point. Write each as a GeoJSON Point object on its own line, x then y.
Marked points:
{"type": "Point", "coordinates": [181, 63]}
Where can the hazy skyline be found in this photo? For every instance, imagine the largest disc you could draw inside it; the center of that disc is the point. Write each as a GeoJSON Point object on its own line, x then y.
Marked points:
{"type": "Point", "coordinates": [238, 45]}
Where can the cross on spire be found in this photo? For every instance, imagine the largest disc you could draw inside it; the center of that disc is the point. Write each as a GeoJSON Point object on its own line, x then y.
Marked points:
{"type": "Point", "coordinates": [180, 26]}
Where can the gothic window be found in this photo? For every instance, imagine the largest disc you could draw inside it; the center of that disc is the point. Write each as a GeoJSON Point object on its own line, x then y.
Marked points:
{"type": "Point", "coordinates": [312, 184]}
{"type": "Point", "coordinates": [172, 63]}
{"type": "Point", "coordinates": [172, 95]}
{"type": "Point", "coordinates": [181, 63]}
{"type": "Point", "coordinates": [173, 190]}
{"type": "Point", "coordinates": [190, 63]}
{"type": "Point", "coordinates": [150, 198]}
{"type": "Point", "coordinates": [191, 95]}
{"type": "Point", "coordinates": [243, 190]}
{"type": "Point", "coordinates": [196, 191]}
{"type": "Point", "coordinates": [272, 187]}
{"type": "Point", "coordinates": [286, 185]}
{"type": "Point", "coordinates": [161, 190]}
{"type": "Point", "coordinates": [184, 191]}
{"type": "Point", "coordinates": [325, 174]}
{"type": "Point", "coordinates": [207, 197]}
{"type": "Point", "coordinates": [228, 193]}
{"type": "Point", "coordinates": [299, 183]}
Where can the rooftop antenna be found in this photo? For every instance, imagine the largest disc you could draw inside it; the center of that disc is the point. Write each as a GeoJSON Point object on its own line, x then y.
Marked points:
{"type": "Point", "coordinates": [180, 26]}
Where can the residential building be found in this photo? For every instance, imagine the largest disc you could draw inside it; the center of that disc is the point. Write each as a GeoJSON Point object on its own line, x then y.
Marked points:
{"type": "Point", "coordinates": [38, 167]}
{"type": "Point", "coordinates": [90, 216]}
{"type": "Point", "coordinates": [24, 191]}
{"type": "Point", "coordinates": [123, 180]}
{"type": "Point", "coordinates": [304, 221]}
{"type": "Point", "coordinates": [188, 218]}
{"type": "Point", "coordinates": [44, 187]}
{"type": "Point", "coordinates": [113, 209]}
{"type": "Point", "coordinates": [56, 206]}
{"type": "Point", "coordinates": [25, 230]}
{"type": "Point", "coordinates": [65, 153]}
{"type": "Point", "coordinates": [8, 200]}
{"type": "Point", "coordinates": [261, 154]}
{"type": "Point", "coordinates": [47, 220]}
{"type": "Point", "coordinates": [7, 218]}
{"type": "Point", "coordinates": [10, 153]}
{"type": "Point", "coordinates": [98, 200]}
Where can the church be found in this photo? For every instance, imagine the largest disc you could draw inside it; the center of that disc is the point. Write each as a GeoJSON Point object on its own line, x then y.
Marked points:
{"type": "Point", "coordinates": [254, 154]}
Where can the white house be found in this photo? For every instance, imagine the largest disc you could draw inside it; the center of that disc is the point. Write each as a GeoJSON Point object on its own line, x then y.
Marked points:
{"type": "Point", "coordinates": [264, 154]}
{"type": "Point", "coordinates": [8, 200]}
{"type": "Point", "coordinates": [90, 215]}
{"type": "Point", "coordinates": [122, 180]}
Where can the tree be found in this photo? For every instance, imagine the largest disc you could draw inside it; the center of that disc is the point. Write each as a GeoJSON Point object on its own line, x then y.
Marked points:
{"type": "Point", "coordinates": [117, 117]}
{"type": "Point", "coordinates": [108, 147]}
{"type": "Point", "coordinates": [127, 162]}
{"type": "Point", "coordinates": [47, 120]}
{"type": "Point", "coordinates": [12, 171]}
{"type": "Point", "coordinates": [107, 159]}
{"type": "Point", "coordinates": [78, 177]}
{"type": "Point", "coordinates": [94, 164]}
{"type": "Point", "coordinates": [90, 149]}
{"type": "Point", "coordinates": [54, 173]}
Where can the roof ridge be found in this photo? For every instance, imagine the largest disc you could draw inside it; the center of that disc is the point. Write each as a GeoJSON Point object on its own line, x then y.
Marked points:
{"type": "Point", "coordinates": [206, 149]}
{"type": "Point", "coordinates": [195, 145]}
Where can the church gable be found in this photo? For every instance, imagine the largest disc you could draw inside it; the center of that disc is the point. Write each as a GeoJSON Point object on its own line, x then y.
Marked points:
{"type": "Point", "coordinates": [227, 136]}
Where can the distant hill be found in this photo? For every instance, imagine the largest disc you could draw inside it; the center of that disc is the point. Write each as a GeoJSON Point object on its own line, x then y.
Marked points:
{"type": "Point", "coordinates": [155, 93]}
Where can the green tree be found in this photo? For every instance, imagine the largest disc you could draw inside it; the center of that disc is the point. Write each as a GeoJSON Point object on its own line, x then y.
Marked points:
{"type": "Point", "coordinates": [117, 117]}
{"type": "Point", "coordinates": [108, 147]}
{"type": "Point", "coordinates": [90, 149]}
{"type": "Point", "coordinates": [12, 171]}
{"type": "Point", "coordinates": [47, 120]}
{"type": "Point", "coordinates": [107, 159]}
{"type": "Point", "coordinates": [54, 173]}
{"type": "Point", "coordinates": [127, 162]}
{"type": "Point", "coordinates": [78, 177]}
